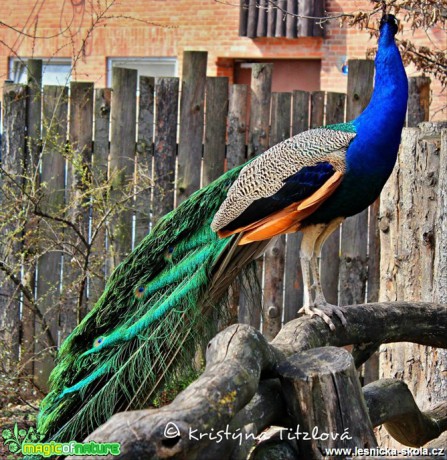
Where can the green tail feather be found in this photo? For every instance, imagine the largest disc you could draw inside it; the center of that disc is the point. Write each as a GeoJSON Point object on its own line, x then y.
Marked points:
{"type": "Point", "coordinates": [145, 327]}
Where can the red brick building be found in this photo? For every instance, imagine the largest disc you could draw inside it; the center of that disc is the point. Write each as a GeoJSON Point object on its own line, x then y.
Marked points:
{"type": "Point", "coordinates": [152, 35]}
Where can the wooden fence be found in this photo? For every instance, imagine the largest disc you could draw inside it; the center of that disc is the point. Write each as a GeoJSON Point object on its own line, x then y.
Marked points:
{"type": "Point", "coordinates": [180, 140]}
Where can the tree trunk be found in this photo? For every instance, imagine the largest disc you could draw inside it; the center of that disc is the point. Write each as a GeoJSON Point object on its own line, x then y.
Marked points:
{"type": "Point", "coordinates": [413, 219]}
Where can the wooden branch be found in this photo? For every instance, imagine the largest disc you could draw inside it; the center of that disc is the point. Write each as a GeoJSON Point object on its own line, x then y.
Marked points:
{"type": "Point", "coordinates": [391, 403]}
{"type": "Point", "coordinates": [386, 322]}
{"type": "Point", "coordinates": [219, 401]}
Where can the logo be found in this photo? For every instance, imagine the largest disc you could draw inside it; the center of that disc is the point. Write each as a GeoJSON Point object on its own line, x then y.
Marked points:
{"type": "Point", "coordinates": [14, 438]}
{"type": "Point", "coordinates": [28, 442]}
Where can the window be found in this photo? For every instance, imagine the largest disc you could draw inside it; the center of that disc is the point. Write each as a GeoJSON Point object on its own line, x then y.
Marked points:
{"type": "Point", "coordinates": [146, 67]}
{"type": "Point", "coordinates": [55, 71]}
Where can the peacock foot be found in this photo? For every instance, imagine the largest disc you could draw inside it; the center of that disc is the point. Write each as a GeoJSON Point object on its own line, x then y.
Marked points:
{"type": "Point", "coordinates": [325, 311]}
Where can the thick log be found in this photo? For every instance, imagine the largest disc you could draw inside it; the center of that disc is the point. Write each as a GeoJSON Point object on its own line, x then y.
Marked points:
{"type": "Point", "coordinates": [191, 123]}
{"type": "Point", "coordinates": [322, 390]}
{"type": "Point", "coordinates": [391, 403]}
{"type": "Point", "coordinates": [272, 445]}
{"type": "Point", "coordinates": [413, 245]}
{"type": "Point", "coordinates": [266, 408]}
{"type": "Point", "coordinates": [235, 359]}
{"type": "Point", "coordinates": [381, 322]}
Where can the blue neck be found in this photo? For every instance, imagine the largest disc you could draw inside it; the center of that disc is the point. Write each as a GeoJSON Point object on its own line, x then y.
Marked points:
{"type": "Point", "coordinates": [382, 121]}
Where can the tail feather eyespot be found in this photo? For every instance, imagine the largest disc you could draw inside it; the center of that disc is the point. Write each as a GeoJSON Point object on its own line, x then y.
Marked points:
{"type": "Point", "coordinates": [139, 292]}
{"type": "Point", "coordinates": [98, 341]}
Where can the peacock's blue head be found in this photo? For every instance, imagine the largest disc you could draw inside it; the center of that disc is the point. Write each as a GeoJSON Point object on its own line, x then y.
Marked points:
{"type": "Point", "coordinates": [392, 22]}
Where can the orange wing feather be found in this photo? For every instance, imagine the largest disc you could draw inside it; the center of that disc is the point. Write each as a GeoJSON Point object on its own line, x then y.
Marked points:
{"type": "Point", "coordinates": [287, 220]}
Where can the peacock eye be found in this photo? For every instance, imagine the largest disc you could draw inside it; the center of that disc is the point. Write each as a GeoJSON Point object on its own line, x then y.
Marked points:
{"type": "Point", "coordinates": [139, 291]}
{"type": "Point", "coordinates": [98, 341]}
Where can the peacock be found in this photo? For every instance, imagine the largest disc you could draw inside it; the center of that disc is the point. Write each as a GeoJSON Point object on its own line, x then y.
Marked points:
{"type": "Point", "coordinates": [166, 296]}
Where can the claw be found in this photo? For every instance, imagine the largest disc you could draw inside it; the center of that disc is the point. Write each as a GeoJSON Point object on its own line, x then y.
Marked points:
{"type": "Point", "coordinates": [325, 310]}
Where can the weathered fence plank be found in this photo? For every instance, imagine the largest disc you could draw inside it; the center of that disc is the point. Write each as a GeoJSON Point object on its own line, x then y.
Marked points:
{"type": "Point", "coordinates": [12, 161]}
{"type": "Point", "coordinates": [165, 147]}
{"type": "Point", "coordinates": [100, 269]}
{"type": "Point", "coordinates": [316, 109]}
{"type": "Point", "coordinates": [78, 182]}
{"type": "Point", "coordinates": [215, 128]}
{"type": "Point", "coordinates": [272, 310]}
{"type": "Point", "coordinates": [144, 157]}
{"type": "Point", "coordinates": [236, 152]}
{"type": "Point", "coordinates": [237, 125]}
{"type": "Point", "coordinates": [330, 254]}
{"type": "Point", "coordinates": [54, 135]}
{"type": "Point", "coordinates": [354, 235]}
{"type": "Point", "coordinates": [191, 123]}
{"type": "Point", "coordinates": [33, 122]}
{"type": "Point", "coordinates": [122, 160]}
{"type": "Point", "coordinates": [293, 278]}
{"type": "Point", "coordinates": [418, 100]}
{"type": "Point", "coordinates": [261, 87]}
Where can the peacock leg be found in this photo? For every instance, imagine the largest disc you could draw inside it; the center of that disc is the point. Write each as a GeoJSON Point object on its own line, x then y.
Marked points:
{"type": "Point", "coordinates": [313, 240]}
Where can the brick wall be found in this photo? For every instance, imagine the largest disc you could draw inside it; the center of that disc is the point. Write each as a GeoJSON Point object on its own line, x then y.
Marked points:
{"type": "Point", "coordinates": [184, 25]}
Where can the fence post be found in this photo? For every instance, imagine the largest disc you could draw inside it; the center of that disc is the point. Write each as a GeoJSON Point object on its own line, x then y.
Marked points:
{"type": "Point", "coordinates": [165, 146]}
{"type": "Point", "coordinates": [100, 160]}
{"type": "Point", "coordinates": [293, 291]}
{"type": "Point", "coordinates": [274, 256]}
{"type": "Point", "coordinates": [54, 136]}
{"type": "Point", "coordinates": [78, 182]}
{"type": "Point", "coordinates": [12, 161]}
{"type": "Point", "coordinates": [261, 87]}
{"type": "Point", "coordinates": [330, 254]}
{"type": "Point", "coordinates": [191, 123]}
{"type": "Point", "coordinates": [215, 128]}
{"type": "Point", "coordinates": [33, 122]}
{"type": "Point", "coordinates": [353, 262]}
{"type": "Point", "coordinates": [237, 125]}
{"type": "Point", "coordinates": [145, 145]}
{"type": "Point", "coordinates": [122, 158]}
{"type": "Point", "coordinates": [418, 100]}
